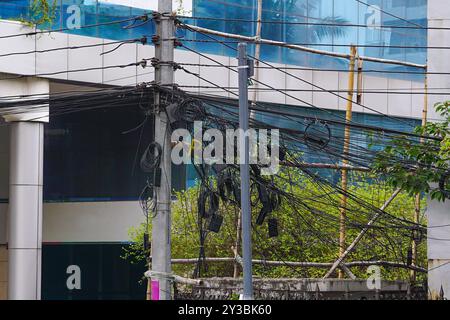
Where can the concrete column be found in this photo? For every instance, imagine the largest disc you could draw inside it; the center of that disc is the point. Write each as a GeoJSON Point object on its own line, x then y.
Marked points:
{"type": "Point", "coordinates": [4, 182]}
{"type": "Point", "coordinates": [25, 191]}
{"type": "Point", "coordinates": [25, 210]}
{"type": "Point", "coordinates": [438, 213]}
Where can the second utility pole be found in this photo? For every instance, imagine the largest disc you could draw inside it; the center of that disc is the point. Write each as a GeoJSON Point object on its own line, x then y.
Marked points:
{"type": "Point", "coordinates": [161, 223]}
{"type": "Point", "coordinates": [245, 72]}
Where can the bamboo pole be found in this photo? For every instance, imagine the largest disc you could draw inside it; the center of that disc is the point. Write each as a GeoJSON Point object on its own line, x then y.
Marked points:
{"type": "Point", "coordinates": [148, 293]}
{"type": "Point", "coordinates": [235, 249]}
{"type": "Point", "coordinates": [297, 47]}
{"type": "Point", "coordinates": [323, 166]}
{"type": "Point", "coordinates": [344, 174]}
{"type": "Point", "coordinates": [359, 93]}
{"type": "Point", "coordinates": [352, 246]}
{"type": "Point", "coordinates": [417, 199]}
{"type": "Point", "coordinates": [296, 264]}
{"type": "Point", "coordinates": [257, 50]}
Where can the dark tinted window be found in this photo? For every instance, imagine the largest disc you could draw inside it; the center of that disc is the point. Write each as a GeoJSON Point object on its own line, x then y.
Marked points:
{"type": "Point", "coordinates": [89, 157]}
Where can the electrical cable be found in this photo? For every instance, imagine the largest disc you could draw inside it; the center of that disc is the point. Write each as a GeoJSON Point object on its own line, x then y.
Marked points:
{"type": "Point", "coordinates": [136, 18]}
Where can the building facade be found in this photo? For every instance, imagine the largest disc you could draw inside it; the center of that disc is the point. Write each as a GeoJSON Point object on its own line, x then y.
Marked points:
{"type": "Point", "coordinates": [90, 180]}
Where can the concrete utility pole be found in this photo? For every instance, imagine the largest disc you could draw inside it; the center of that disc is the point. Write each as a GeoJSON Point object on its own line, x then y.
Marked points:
{"type": "Point", "coordinates": [161, 224]}
{"type": "Point", "coordinates": [254, 100]}
{"type": "Point", "coordinates": [245, 72]}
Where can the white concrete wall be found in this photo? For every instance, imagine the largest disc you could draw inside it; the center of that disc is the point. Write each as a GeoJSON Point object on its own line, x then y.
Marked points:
{"type": "Point", "coordinates": [403, 105]}
{"type": "Point", "coordinates": [75, 59]}
{"type": "Point", "coordinates": [90, 221]}
{"type": "Point", "coordinates": [439, 248]}
{"type": "Point", "coordinates": [438, 60]}
{"type": "Point", "coordinates": [438, 213]}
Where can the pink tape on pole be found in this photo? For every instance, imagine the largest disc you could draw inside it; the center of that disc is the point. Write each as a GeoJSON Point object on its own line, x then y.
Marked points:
{"type": "Point", "coordinates": [155, 290]}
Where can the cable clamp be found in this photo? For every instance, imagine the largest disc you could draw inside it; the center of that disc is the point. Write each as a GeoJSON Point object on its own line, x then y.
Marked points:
{"type": "Point", "coordinates": [177, 43]}
{"type": "Point", "coordinates": [176, 66]}
{"type": "Point", "coordinates": [143, 18]}
{"type": "Point", "coordinates": [156, 16]}
{"type": "Point", "coordinates": [143, 40]}
{"type": "Point", "coordinates": [154, 62]}
{"type": "Point", "coordinates": [156, 39]}
{"type": "Point", "coordinates": [143, 63]}
{"type": "Point", "coordinates": [159, 275]}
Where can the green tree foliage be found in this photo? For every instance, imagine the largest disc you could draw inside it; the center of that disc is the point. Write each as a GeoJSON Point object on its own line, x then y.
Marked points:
{"type": "Point", "coordinates": [431, 158]}
{"type": "Point", "coordinates": [303, 236]}
{"type": "Point", "coordinates": [41, 13]}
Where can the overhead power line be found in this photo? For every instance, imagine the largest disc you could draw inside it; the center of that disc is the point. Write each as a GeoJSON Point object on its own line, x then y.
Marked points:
{"type": "Point", "coordinates": [258, 107]}
{"type": "Point", "coordinates": [325, 24]}
{"type": "Point", "coordinates": [142, 63]}
{"type": "Point", "coordinates": [322, 69]}
{"type": "Point", "coordinates": [371, 91]}
{"type": "Point", "coordinates": [333, 45]}
{"type": "Point", "coordinates": [391, 14]}
{"type": "Point", "coordinates": [145, 18]}
{"type": "Point", "coordinates": [256, 40]}
{"type": "Point", "coordinates": [143, 40]}
{"type": "Point", "coordinates": [291, 75]}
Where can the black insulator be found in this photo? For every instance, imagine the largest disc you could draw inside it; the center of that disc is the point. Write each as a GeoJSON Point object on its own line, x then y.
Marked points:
{"type": "Point", "coordinates": [149, 160]}
{"type": "Point", "coordinates": [275, 201]}
{"type": "Point", "coordinates": [146, 242]}
{"type": "Point", "coordinates": [215, 223]}
{"type": "Point", "coordinates": [262, 215]}
{"type": "Point", "coordinates": [282, 156]}
{"type": "Point", "coordinates": [273, 227]}
{"type": "Point", "coordinates": [409, 257]}
{"type": "Point", "coordinates": [201, 205]}
{"type": "Point", "coordinates": [213, 204]}
{"type": "Point", "coordinates": [237, 194]}
{"type": "Point", "coordinates": [256, 170]}
{"type": "Point", "coordinates": [263, 195]}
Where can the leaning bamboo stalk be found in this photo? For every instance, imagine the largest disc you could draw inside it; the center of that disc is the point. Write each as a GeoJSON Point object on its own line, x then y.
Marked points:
{"type": "Point", "coordinates": [324, 166]}
{"type": "Point", "coordinates": [352, 246]}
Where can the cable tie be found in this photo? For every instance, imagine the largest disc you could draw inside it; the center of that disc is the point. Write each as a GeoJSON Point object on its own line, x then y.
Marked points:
{"type": "Point", "coordinates": [156, 16]}
{"type": "Point", "coordinates": [176, 66]}
{"type": "Point", "coordinates": [156, 39]}
{"type": "Point", "coordinates": [144, 40]}
{"type": "Point", "coordinates": [159, 275]}
{"type": "Point", "coordinates": [154, 62]}
{"type": "Point", "coordinates": [143, 63]}
{"type": "Point", "coordinates": [143, 17]}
